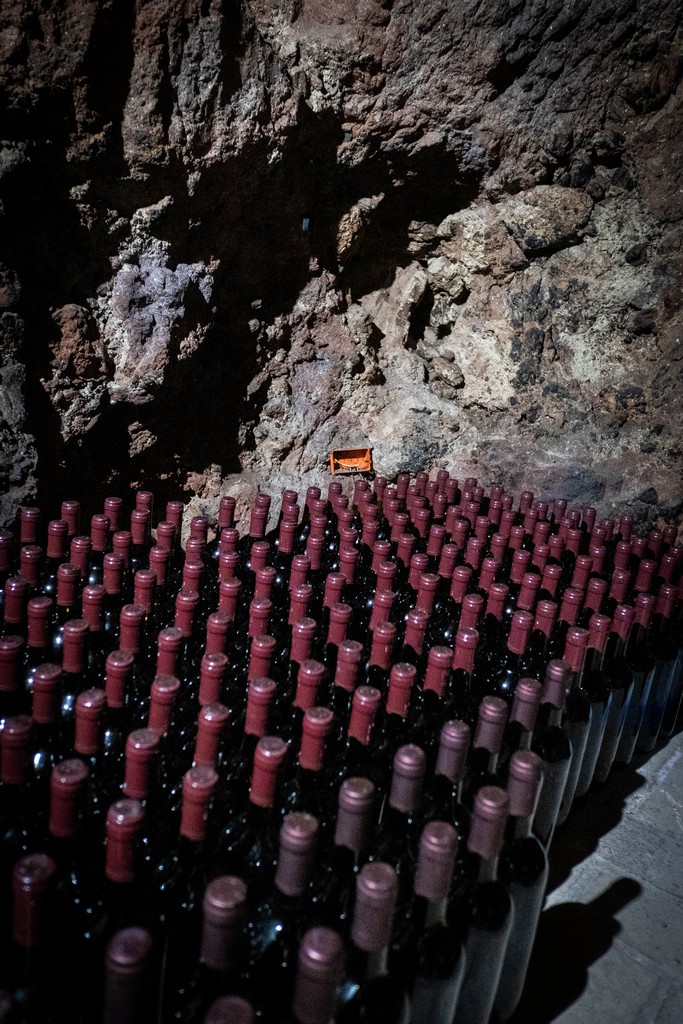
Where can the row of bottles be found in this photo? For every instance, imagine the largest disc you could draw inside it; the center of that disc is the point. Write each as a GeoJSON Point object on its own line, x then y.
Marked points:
{"type": "Point", "coordinates": [396, 668]}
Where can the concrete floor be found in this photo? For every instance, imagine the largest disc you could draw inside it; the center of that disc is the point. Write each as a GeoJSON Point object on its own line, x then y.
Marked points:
{"type": "Point", "coordinates": [610, 941]}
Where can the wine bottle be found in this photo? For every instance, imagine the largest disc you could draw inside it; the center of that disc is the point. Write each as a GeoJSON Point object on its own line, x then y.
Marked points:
{"type": "Point", "coordinates": [428, 953]}
{"type": "Point", "coordinates": [19, 821]}
{"type": "Point", "coordinates": [222, 959]}
{"type": "Point", "coordinates": [552, 745]}
{"type": "Point", "coordinates": [596, 686]}
{"type": "Point", "coordinates": [664, 651]}
{"type": "Point", "coordinates": [130, 978]}
{"type": "Point", "coordinates": [641, 661]}
{"type": "Point", "coordinates": [319, 969]}
{"type": "Point", "coordinates": [369, 991]}
{"type": "Point", "coordinates": [578, 714]}
{"type": "Point", "coordinates": [276, 927]}
{"type": "Point", "coordinates": [488, 908]}
{"type": "Point", "coordinates": [28, 961]}
{"type": "Point", "coordinates": [486, 745]}
{"type": "Point", "coordinates": [336, 882]}
{"type": "Point", "coordinates": [524, 870]}
{"type": "Point", "coordinates": [304, 789]}
{"type": "Point", "coordinates": [38, 645]}
{"type": "Point", "coordinates": [179, 880]}
{"type": "Point", "coordinates": [246, 844]}
{"type": "Point", "coordinates": [396, 837]}
{"type": "Point", "coordinates": [520, 725]}
{"type": "Point", "coordinates": [14, 697]}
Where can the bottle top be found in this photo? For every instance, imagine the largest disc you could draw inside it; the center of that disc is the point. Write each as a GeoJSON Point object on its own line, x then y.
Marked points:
{"type": "Point", "coordinates": [90, 706]}
{"type": "Point", "coordinates": [30, 558]}
{"type": "Point", "coordinates": [340, 620]}
{"type": "Point", "coordinates": [259, 697]}
{"type": "Point", "coordinates": [74, 637]}
{"type": "Point", "coordinates": [128, 966]}
{"type": "Point", "coordinates": [11, 650]}
{"type": "Point", "coordinates": [211, 674]}
{"type": "Point", "coordinates": [70, 513]}
{"type": "Point", "coordinates": [531, 583]}
{"type": "Point", "coordinates": [124, 822]}
{"type": "Point", "coordinates": [487, 829]}
{"type": "Point", "coordinates": [92, 606]}
{"type": "Point", "coordinates": [15, 759]}
{"type": "Point", "coordinates": [211, 723]}
{"type": "Point", "coordinates": [493, 714]}
{"type": "Point", "coordinates": [31, 880]}
{"type": "Point", "coordinates": [309, 678]}
{"type": "Point", "coordinates": [466, 641]}
{"type": "Point", "coordinates": [436, 860]}
{"type": "Point", "coordinates": [598, 630]}
{"type": "Point", "coordinates": [199, 784]}
{"type": "Point", "coordinates": [38, 611]}
{"type": "Point", "coordinates": [417, 621]}
{"type": "Point", "coordinates": [354, 810]}
{"type": "Point", "coordinates": [130, 624]}
{"type": "Point", "coordinates": [472, 608]}
{"type": "Point", "coordinates": [376, 895]}
{"type": "Point", "coordinates": [315, 727]}
{"type": "Point", "coordinates": [47, 683]}
{"type": "Point", "coordinates": [261, 655]}
{"type": "Point", "coordinates": [29, 524]}
{"type": "Point", "coordinates": [229, 592]}
{"type": "Point", "coordinates": [269, 757]}
{"type": "Point", "coordinates": [520, 631]}
{"type": "Point", "coordinates": [225, 912]}
{"type": "Point", "coordinates": [299, 601]}
{"type": "Point", "coordinates": [401, 680]}
{"type": "Point", "coordinates": [142, 748]}
{"type": "Point", "coordinates": [526, 702]}
{"type": "Point", "coordinates": [647, 570]}
{"type": "Point", "coordinates": [16, 597]}
{"type": "Point", "coordinates": [557, 677]}
{"type": "Point", "coordinates": [319, 970]}
{"type": "Point", "coordinates": [67, 784]}
{"type": "Point", "coordinates": [186, 604]}
{"type": "Point", "coordinates": [162, 698]}
{"type": "Point", "coordinates": [644, 608]}
{"type": "Point", "coordinates": [495, 603]}
{"type": "Point", "coordinates": [525, 776]}
{"type": "Point", "coordinates": [575, 648]}
{"type": "Point", "coordinates": [174, 514]}
{"type": "Point", "coordinates": [259, 615]}
{"type": "Point", "coordinates": [226, 511]}
{"type": "Point", "coordinates": [364, 707]}
{"type": "Point", "coordinates": [217, 627]}
{"type": "Point", "coordinates": [298, 838]}
{"type": "Point", "coordinates": [454, 742]}
{"type": "Point", "coordinates": [407, 778]}
{"type": "Point", "coordinates": [119, 666]}
{"type": "Point", "coordinates": [99, 532]}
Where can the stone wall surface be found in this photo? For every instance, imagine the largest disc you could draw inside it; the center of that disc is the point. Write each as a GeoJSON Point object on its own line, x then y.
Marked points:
{"type": "Point", "coordinates": [234, 236]}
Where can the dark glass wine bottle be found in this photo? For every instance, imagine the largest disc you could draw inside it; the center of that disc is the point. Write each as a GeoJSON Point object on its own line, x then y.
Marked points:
{"type": "Point", "coordinates": [14, 696]}
{"type": "Point", "coordinates": [524, 870]}
{"type": "Point", "coordinates": [276, 926]}
{"type": "Point", "coordinates": [222, 959]}
{"type": "Point", "coordinates": [520, 726]}
{"type": "Point", "coordinates": [595, 684]}
{"type": "Point", "coordinates": [397, 835]}
{"type": "Point", "coordinates": [336, 883]}
{"type": "Point", "coordinates": [552, 744]}
{"type": "Point", "coordinates": [488, 908]}
{"type": "Point", "coordinates": [486, 746]}
{"type": "Point", "coordinates": [21, 828]}
{"type": "Point", "coordinates": [370, 991]}
{"type": "Point", "coordinates": [319, 970]}
{"type": "Point", "coordinates": [27, 965]}
{"type": "Point", "coordinates": [247, 842]}
{"type": "Point", "coordinates": [130, 978]}
{"type": "Point", "coordinates": [428, 952]}
{"type": "Point", "coordinates": [665, 651]}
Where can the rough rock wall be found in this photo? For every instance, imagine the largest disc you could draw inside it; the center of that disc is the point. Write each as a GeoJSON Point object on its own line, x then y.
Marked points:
{"type": "Point", "coordinates": [234, 236]}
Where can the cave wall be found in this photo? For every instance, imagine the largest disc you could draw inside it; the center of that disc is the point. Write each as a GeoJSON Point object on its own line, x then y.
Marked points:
{"type": "Point", "coordinates": [234, 236]}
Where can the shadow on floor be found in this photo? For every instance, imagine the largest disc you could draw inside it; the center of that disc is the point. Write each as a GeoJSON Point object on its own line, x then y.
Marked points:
{"type": "Point", "coordinates": [570, 937]}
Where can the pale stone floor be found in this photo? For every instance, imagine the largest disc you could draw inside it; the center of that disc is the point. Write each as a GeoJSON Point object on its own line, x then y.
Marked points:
{"type": "Point", "coordinates": [610, 941]}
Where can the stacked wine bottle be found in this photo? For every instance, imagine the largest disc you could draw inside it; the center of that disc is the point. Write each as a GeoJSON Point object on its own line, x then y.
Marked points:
{"type": "Point", "coordinates": [311, 773]}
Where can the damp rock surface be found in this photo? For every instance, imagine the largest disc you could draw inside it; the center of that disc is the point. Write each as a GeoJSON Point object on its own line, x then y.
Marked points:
{"type": "Point", "coordinates": [236, 236]}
